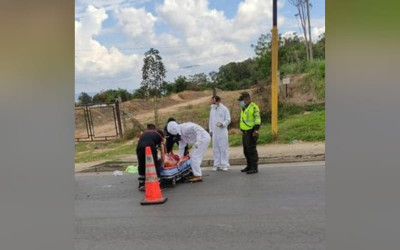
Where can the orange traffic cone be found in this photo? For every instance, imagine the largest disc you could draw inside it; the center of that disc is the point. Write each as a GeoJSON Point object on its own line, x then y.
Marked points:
{"type": "Point", "coordinates": [152, 186]}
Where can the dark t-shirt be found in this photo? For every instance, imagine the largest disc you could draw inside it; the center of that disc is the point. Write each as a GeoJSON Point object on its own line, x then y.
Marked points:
{"type": "Point", "coordinates": [149, 138]}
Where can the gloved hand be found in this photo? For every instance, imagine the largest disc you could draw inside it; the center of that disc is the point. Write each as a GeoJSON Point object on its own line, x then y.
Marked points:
{"type": "Point", "coordinates": [219, 124]}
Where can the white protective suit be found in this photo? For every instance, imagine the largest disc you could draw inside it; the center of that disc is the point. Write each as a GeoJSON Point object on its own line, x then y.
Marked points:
{"type": "Point", "coordinates": [191, 133]}
{"type": "Point", "coordinates": [219, 113]}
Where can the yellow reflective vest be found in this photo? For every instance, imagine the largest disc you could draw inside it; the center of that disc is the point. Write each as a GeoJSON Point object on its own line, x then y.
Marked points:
{"type": "Point", "coordinates": [250, 116]}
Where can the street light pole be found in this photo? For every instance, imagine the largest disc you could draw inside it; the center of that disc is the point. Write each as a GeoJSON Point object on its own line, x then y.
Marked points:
{"type": "Point", "coordinates": [274, 70]}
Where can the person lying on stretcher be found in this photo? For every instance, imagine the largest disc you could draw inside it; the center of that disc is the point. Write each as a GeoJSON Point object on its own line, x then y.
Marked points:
{"type": "Point", "coordinates": [171, 160]}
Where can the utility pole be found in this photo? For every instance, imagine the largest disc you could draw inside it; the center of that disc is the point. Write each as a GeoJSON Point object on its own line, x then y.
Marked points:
{"type": "Point", "coordinates": [274, 70]}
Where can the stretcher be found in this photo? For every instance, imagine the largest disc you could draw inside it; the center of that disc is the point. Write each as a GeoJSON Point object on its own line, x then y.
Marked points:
{"type": "Point", "coordinates": [171, 173]}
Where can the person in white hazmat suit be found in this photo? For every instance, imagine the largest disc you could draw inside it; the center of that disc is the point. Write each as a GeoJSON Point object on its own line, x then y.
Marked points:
{"type": "Point", "coordinates": [218, 126]}
{"type": "Point", "coordinates": [191, 133]}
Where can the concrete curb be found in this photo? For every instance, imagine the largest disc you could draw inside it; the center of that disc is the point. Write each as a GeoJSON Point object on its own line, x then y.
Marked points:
{"type": "Point", "coordinates": [121, 165]}
{"type": "Point", "coordinates": [272, 159]}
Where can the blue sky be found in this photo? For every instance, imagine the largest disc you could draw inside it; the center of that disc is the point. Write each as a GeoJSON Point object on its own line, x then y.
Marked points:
{"type": "Point", "coordinates": [111, 36]}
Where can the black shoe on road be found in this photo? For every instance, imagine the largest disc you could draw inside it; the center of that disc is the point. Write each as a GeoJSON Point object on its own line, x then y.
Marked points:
{"type": "Point", "coordinates": [252, 171]}
{"type": "Point", "coordinates": [245, 169]}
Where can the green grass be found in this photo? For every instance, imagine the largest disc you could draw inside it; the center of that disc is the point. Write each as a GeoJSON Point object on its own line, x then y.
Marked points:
{"type": "Point", "coordinates": [102, 151]}
{"type": "Point", "coordinates": [296, 123]}
{"type": "Point", "coordinates": [286, 110]}
{"type": "Point", "coordinates": [301, 127]}
{"type": "Point", "coordinates": [310, 67]}
{"type": "Point", "coordinates": [81, 147]}
{"type": "Point", "coordinates": [315, 75]}
{"type": "Point", "coordinates": [309, 127]}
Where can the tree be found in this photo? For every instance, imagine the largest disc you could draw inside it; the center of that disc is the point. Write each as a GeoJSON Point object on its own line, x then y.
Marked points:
{"type": "Point", "coordinates": [169, 88]}
{"type": "Point", "coordinates": [153, 74]}
{"type": "Point", "coordinates": [198, 82]}
{"type": "Point", "coordinates": [84, 98]}
{"type": "Point", "coordinates": [291, 51]}
{"type": "Point", "coordinates": [213, 79]}
{"type": "Point", "coordinates": [237, 75]}
{"type": "Point", "coordinates": [319, 48]}
{"type": "Point", "coordinates": [139, 93]}
{"type": "Point", "coordinates": [181, 84]}
{"type": "Point", "coordinates": [303, 13]}
{"type": "Point", "coordinates": [310, 44]}
{"type": "Point", "coordinates": [124, 94]}
{"type": "Point", "coordinates": [165, 88]}
{"type": "Point", "coordinates": [111, 95]}
{"type": "Point", "coordinates": [200, 78]}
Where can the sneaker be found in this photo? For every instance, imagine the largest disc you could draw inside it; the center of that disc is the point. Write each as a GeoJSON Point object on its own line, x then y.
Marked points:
{"type": "Point", "coordinates": [214, 168]}
{"type": "Point", "coordinates": [225, 168]}
{"type": "Point", "coordinates": [141, 188]}
{"type": "Point", "coordinates": [196, 179]}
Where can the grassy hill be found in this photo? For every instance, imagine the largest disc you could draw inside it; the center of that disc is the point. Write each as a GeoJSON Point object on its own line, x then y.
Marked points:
{"type": "Point", "coordinates": [301, 116]}
{"type": "Point", "coordinates": [194, 106]}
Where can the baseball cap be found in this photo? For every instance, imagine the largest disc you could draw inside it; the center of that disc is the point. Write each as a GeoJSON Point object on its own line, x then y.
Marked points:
{"type": "Point", "coordinates": [243, 95]}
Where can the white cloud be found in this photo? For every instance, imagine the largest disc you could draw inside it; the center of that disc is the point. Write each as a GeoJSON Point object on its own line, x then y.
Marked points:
{"type": "Point", "coordinates": [137, 23]}
{"type": "Point", "coordinates": [316, 32]}
{"type": "Point", "coordinates": [289, 34]}
{"type": "Point", "coordinates": [81, 5]}
{"type": "Point", "coordinates": [209, 36]}
{"type": "Point", "coordinates": [317, 27]}
{"type": "Point", "coordinates": [166, 40]}
{"type": "Point", "coordinates": [253, 12]}
{"type": "Point", "coordinates": [92, 58]}
{"type": "Point", "coordinates": [187, 33]}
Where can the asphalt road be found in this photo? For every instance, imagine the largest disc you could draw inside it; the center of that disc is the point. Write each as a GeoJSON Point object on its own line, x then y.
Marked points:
{"type": "Point", "coordinates": [281, 207]}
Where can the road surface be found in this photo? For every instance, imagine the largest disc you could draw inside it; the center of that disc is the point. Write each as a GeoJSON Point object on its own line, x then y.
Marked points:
{"type": "Point", "coordinates": [281, 207]}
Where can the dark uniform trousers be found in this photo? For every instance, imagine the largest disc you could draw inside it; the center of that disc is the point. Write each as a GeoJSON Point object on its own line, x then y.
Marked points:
{"type": "Point", "coordinates": [250, 149]}
{"type": "Point", "coordinates": [141, 155]}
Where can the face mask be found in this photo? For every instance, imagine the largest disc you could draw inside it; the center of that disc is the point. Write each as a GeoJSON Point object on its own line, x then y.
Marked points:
{"type": "Point", "coordinates": [242, 104]}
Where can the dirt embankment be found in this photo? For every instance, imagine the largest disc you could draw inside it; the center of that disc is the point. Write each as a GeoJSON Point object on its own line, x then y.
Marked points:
{"type": "Point", "coordinates": [194, 105]}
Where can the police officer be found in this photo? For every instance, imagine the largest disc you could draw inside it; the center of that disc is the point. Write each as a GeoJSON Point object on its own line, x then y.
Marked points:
{"type": "Point", "coordinates": [250, 122]}
{"type": "Point", "coordinates": [150, 138]}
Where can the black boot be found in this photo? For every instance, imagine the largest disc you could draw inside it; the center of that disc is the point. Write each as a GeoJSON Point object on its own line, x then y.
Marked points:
{"type": "Point", "coordinates": [252, 171]}
{"type": "Point", "coordinates": [245, 169]}
{"type": "Point", "coordinates": [141, 186]}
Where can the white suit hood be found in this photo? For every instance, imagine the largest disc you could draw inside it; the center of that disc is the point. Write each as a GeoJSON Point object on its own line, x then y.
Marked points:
{"type": "Point", "coordinates": [174, 128]}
